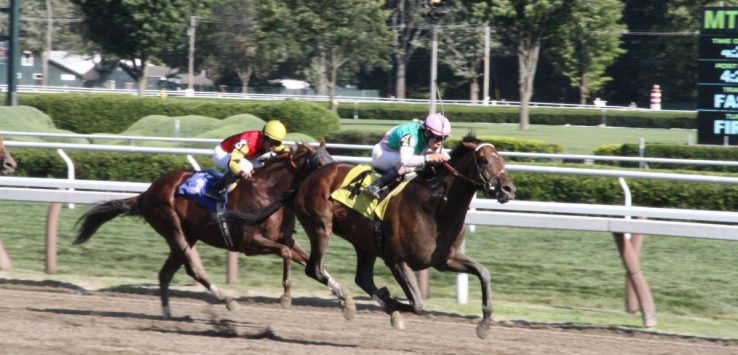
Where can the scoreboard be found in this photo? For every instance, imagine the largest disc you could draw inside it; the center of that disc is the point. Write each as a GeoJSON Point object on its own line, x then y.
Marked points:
{"type": "Point", "coordinates": [717, 104]}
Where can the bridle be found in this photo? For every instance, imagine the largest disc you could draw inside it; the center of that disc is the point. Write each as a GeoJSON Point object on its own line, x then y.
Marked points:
{"type": "Point", "coordinates": [314, 159]}
{"type": "Point", "coordinates": [487, 185]}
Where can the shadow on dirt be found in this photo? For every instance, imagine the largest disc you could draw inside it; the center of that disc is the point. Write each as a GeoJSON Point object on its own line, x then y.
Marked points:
{"type": "Point", "coordinates": [49, 285]}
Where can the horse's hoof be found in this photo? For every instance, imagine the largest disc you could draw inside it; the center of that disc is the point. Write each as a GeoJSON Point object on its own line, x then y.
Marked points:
{"type": "Point", "coordinates": [285, 301]}
{"type": "Point", "coordinates": [348, 308]}
{"type": "Point", "coordinates": [649, 321]}
{"type": "Point", "coordinates": [231, 304]}
{"type": "Point", "coordinates": [165, 313]}
{"type": "Point", "coordinates": [483, 329]}
{"type": "Point", "coordinates": [397, 321]}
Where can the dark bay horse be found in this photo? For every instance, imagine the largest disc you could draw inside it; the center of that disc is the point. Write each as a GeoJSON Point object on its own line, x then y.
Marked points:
{"type": "Point", "coordinates": [423, 226]}
{"type": "Point", "coordinates": [7, 163]}
{"type": "Point", "coordinates": [182, 222]}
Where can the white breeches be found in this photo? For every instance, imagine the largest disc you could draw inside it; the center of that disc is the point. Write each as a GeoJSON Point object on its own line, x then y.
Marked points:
{"type": "Point", "coordinates": [221, 158]}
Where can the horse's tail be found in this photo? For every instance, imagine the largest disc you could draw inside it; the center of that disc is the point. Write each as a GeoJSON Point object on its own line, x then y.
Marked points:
{"type": "Point", "coordinates": [103, 212]}
{"type": "Point", "coordinates": [256, 216]}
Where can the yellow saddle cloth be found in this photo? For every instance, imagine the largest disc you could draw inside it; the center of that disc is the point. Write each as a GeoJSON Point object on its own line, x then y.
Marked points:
{"type": "Point", "coordinates": [362, 202]}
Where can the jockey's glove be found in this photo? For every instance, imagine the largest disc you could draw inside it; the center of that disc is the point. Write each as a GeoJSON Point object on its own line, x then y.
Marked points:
{"type": "Point", "coordinates": [281, 149]}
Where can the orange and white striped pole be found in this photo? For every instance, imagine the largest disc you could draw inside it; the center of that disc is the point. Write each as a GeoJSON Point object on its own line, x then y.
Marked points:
{"type": "Point", "coordinates": [656, 97]}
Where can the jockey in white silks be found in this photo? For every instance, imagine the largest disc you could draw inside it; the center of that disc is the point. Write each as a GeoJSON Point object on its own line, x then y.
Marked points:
{"type": "Point", "coordinates": [409, 147]}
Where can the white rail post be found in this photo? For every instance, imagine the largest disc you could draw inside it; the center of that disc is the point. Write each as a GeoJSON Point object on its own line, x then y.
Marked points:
{"type": "Point", "coordinates": [70, 170]}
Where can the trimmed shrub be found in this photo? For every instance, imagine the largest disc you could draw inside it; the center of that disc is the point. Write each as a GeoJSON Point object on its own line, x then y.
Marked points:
{"type": "Point", "coordinates": [674, 151]}
{"type": "Point", "coordinates": [98, 113]}
{"type": "Point", "coordinates": [300, 116]}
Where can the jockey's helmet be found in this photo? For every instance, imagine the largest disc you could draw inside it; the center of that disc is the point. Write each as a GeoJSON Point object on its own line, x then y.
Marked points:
{"type": "Point", "coordinates": [438, 125]}
{"type": "Point", "coordinates": [275, 130]}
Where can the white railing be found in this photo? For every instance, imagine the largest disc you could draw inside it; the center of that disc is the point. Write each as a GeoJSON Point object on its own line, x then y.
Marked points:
{"type": "Point", "coordinates": [368, 148]}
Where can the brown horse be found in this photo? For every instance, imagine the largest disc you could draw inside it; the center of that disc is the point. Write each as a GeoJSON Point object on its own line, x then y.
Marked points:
{"type": "Point", "coordinates": [182, 222]}
{"type": "Point", "coordinates": [423, 226]}
{"type": "Point", "coordinates": [7, 163]}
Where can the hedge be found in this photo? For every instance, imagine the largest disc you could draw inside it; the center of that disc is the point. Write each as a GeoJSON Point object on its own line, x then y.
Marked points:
{"type": "Point", "coordinates": [101, 113]}
{"type": "Point", "coordinates": [674, 151]}
{"type": "Point", "coordinates": [546, 116]}
{"type": "Point", "coordinates": [501, 143]}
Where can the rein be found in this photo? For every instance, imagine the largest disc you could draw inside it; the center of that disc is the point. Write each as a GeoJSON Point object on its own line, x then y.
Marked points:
{"type": "Point", "coordinates": [483, 184]}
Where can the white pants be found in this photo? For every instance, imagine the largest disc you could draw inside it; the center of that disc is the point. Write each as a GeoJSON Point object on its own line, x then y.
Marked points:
{"type": "Point", "coordinates": [221, 158]}
{"type": "Point", "coordinates": [385, 159]}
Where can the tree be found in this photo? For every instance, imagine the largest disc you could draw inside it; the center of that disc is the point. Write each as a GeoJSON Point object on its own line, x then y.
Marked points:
{"type": "Point", "coordinates": [461, 46]}
{"type": "Point", "coordinates": [231, 39]}
{"type": "Point", "coordinates": [137, 30]}
{"type": "Point", "coordinates": [527, 22]}
{"type": "Point", "coordinates": [587, 45]}
{"type": "Point", "coordinates": [405, 18]}
{"type": "Point", "coordinates": [337, 35]}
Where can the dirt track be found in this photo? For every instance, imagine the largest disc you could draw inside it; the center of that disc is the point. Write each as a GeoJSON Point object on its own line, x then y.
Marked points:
{"type": "Point", "coordinates": [47, 317]}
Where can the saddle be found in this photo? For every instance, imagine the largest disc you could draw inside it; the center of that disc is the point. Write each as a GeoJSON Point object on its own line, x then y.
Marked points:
{"type": "Point", "coordinates": [194, 190]}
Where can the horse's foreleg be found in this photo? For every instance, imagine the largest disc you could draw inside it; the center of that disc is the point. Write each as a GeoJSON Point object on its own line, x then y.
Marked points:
{"type": "Point", "coordinates": [406, 278]}
{"type": "Point", "coordinates": [465, 264]}
{"type": "Point", "coordinates": [316, 270]}
{"type": "Point", "coordinates": [173, 263]}
{"type": "Point", "coordinates": [284, 252]}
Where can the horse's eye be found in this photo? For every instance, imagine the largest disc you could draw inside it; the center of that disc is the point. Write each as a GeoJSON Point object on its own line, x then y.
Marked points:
{"type": "Point", "coordinates": [482, 161]}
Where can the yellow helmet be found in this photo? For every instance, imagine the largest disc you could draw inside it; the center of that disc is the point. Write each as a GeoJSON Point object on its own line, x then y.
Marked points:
{"type": "Point", "coordinates": [275, 130]}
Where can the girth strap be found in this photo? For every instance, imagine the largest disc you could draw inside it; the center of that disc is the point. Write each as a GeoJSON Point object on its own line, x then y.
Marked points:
{"type": "Point", "coordinates": [379, 236]}
{"type": "Point", "coordinates": [220, 220]}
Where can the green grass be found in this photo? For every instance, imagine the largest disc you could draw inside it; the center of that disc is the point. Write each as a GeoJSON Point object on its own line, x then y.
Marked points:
{"type": "Point", "coordinates": [573, 139]}
{"type": "Point", "coordinates": [537, 275]}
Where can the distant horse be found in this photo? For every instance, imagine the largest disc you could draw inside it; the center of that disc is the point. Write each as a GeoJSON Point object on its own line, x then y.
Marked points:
{"type": "Point", "coordinates": [423, 226]}
{"type": "Point", "coordinates": [182, 222]}
{"type": "Point", "coordinates": [7, 163]}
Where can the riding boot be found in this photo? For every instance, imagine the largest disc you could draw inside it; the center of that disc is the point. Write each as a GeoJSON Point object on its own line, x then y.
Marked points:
{"type": "Point", "coordinates": [219, 189]}
{"type": "Point", "coordinates": [376, 187]}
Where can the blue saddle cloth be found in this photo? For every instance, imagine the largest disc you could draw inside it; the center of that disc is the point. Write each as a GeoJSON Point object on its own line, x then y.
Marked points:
{"type": "Point", "coordinates": [194, 189]}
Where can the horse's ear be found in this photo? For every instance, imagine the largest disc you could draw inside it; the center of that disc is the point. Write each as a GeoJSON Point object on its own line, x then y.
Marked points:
{"type": "Point", "coordinates": [469, 144]}
{"type": "Point", "coordinates": [322, 142]}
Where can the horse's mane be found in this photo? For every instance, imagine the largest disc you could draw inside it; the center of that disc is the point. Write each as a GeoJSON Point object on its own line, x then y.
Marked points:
{"type": "Point", "coordinates": [433, 175]}
{"type": "Point", "coordinates": [462, 149]}
{"type": "Point", "coordinates": [294, 149]}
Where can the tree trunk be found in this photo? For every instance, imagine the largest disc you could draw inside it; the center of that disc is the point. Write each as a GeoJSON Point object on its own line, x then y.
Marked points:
{"type": "Point", "coordinates": [583, 95]}
{"type": "Point", "coordinates": [49, 38]}
{"type": "Point", "coordinates": [322, 75]}
{"type": "Point", "coordinates": [245, 77]}
{"type": "Point", "coordinates": [528, 51]}
{"type": "Point", "coordinates": [474, 89]}
{"type": "Point", "coordinates": [142, 79]}
{"type": "Point", "coordinates": [401, 63]}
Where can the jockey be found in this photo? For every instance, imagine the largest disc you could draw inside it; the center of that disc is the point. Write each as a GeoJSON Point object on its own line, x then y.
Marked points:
{"type": "Point", "coordinates": [409, 147]}
{"type": "Point", "coordinates": [238, 154]}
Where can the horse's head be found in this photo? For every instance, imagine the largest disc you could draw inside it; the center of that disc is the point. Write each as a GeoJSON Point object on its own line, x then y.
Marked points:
{"type": "Point", "coordinates": [479, 164]}
{"type": "Point", "coordinates": [298, 162]}
{"type": "Point", "coordinates": [7, 163]}
{"type": "Point", "coordinates": [307, 159]}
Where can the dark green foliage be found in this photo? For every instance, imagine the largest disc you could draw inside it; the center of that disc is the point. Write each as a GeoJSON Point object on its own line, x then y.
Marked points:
{"type": "Point", "coordinates": [645, 192]}
{"type": "Point", "coordinates": [548, 116]}
{"type": "Point", "coordinates": [353, 137]}
{"type": "Point", "coordinates": [101, 165]}
{"type": "Point", "coordinates": [300, 116]}
{"type": "Point", "coordinates": [102, 113]}
{"type": "Point", "coordinates": [674, 151]}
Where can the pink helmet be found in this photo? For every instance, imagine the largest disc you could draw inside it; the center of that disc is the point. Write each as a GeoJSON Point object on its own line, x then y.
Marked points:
{"type": "Point", "coordinates": [438, 124]}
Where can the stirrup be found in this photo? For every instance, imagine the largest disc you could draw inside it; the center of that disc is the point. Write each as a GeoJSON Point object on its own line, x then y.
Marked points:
{"type": "Point", "coordinates": [374, 191]}
{"type": "Point", "coordinates": [215, 195]}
